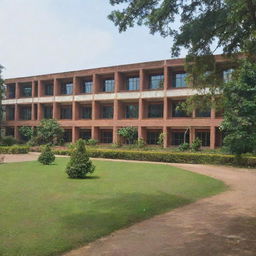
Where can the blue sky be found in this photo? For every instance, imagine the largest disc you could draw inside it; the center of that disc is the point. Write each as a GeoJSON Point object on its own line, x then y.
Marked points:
{"type": "Point", "coordinates": [47, 36]}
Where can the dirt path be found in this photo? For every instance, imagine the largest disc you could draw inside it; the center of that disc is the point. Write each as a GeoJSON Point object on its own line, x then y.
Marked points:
{"type": "Point", "coordinates": [224, 224]}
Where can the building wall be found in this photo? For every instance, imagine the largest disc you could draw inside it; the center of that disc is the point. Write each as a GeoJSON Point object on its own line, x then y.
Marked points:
{"type": "Point", "coordinates": [118, 98]}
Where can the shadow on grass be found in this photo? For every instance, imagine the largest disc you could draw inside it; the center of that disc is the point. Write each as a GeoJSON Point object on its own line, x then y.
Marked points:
{"type": "Point", "coordinates": [110, 214]}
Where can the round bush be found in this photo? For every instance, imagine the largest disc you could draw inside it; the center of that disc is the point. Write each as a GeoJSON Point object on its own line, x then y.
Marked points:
{"type": "Point", "coordinates": [47, 157]}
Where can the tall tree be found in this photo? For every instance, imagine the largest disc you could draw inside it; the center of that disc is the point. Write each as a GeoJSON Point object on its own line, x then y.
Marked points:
{"type": "Point", "coordinates": [240, 108]}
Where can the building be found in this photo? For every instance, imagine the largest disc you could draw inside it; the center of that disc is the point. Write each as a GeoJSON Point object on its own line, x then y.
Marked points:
{"type": "Point", "coordinates": [95, 103]}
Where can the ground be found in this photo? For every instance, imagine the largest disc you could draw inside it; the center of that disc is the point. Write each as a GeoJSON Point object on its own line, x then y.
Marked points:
{"type": "Point", "coordinates": [43, 212]}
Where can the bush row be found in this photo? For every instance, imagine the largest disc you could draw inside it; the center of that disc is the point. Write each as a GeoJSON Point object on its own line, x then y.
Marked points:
{"type": "Point", "coordinates": [169, 157]}
{"type": "Point", "coordinates": [16, 149]}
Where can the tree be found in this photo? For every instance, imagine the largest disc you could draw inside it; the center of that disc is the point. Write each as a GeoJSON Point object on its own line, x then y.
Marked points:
{"type": "Point", "coordinates": [129, 133]}
{"type": "Point", "coordinates": [46, 157]}
{"type": "Point", "coordinates": [79, 164]}
{"type": "Point", "coordinates": [240, 108]}
{"type": "Point", "coordinates": [49, 132]}
{"type": "Point", "coordinates": [26, 132]}
{"type": "Point", "coordinates": [227, 24]}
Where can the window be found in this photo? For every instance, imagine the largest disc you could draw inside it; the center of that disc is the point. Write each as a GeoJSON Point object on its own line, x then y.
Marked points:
{"type": "Point", "coordinates": [133, 83]}
{"type": "Point", "coordinates": [86, 112]}
{"type": "Point", "coordinates": [227, 75]}
{"type": "Point", "coordinates": [155, 110]}
{"type": "Point", "coordinates": [176, 112]}
{"type": "Point", "coordinates": [11, 89]}
{"type": "Point", "coordinates": [47, 112]}
{"type": "Point", "coordinates": [203, 113]}
{"type": "Point", "coordinates": [66, 112]}
{"type": "Point", "coordinates": [87, 87]}
{"type": "Point", "coordinates": [107, 112]}
{"type": "Point", "coordinates": [108, 85]}
{"type": "Point", "coordinates": [67, 136]}
{"type": "Point", "coordinates": [131, 111]}
{"type": "Point", "coordinates": [25, 113]}
{"type": "Point", "coordinates": [67, 88]}
{"type": "Point", "coordinates": [180, 80]}
{"type": "Point", "coordinates": [106, 137]}
{"type": "Point", "coordinates": [26, 90]}
{"type": "Point", "coordinates": [204, 137]}
{"type": "Point", "coordinates": [48, 89]}
{"type": "Point", "coordinates": [178, 138]}
{"type": "Point", "coordinates": [156, 81]}
{"type": "Point", "coordinates": [9, 131]}
{"type": "Point", "coordinates": [11, 113]}
{"type": "Point", "coordinates": [85, 134]}
{"type": "Point", "coordinates": [152, 137]}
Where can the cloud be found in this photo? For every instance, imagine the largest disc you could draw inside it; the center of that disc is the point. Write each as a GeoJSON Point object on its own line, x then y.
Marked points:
{"type": "Point", "coordinates": [35, 39]}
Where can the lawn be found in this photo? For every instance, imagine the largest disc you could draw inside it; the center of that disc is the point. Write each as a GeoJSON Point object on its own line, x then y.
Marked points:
{"type": "Point", "coordinates": [42, 212]}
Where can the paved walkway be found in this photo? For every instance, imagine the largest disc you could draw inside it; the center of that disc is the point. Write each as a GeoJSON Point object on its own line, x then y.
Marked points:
{"type": "Point", "coordinates": [224, 224]}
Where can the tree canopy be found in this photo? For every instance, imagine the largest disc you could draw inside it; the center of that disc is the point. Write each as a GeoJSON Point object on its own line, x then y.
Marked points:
{"type": "Point", "coordinates": [205, 25]}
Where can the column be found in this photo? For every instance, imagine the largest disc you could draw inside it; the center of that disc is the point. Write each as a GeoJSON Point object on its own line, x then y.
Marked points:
{"type": "Point", "coordinates": [40, 88]}
{"type": "Point", "coordinates": [33, 89]}
{"type": "Point", "coordinates": [32, 111]}
{"type": "Point", "coordinates": [16, 133]}
{"type": "Point", "coordinates": [75, 134]}
{"type": "Point", "coordinates": [17, 90]}
{"type": "Point", "coordinates": [191, 135]}
{"type": "Point", "coordinates": [40, 113]}
{"type": "Point", "coordinates": [118, 81]}
{"type": "Point", "coordinates": [116, 110]}
{"type": "Point", "coordinates": [76, 86]}
{"type": "Point", "coordinates": [116, 137]}
{"type": "Point", "coordinates": [95, 133]}
{"type": "Point", "coordinates": [213, 113]}
{"type": "Point", "coordinates": [141, 109]}
{"type": "Point", "coordinates": [165, 131]}
{"type": "Point", "coordinates": [212, 137]}
{"type": "Point", "coordinates": [142, 133]}
{"type": "Point", "coordinates": [16, 114]}
{"type": "Point", "coordinates": [142, 80]}
{"type": "Point", "coordinates": [75, 110]}
{"type": "Point", "coordinates": [165, 108]}
{"type": "Point", "coordinates": [56, 90]}
{"type": "Point", "coordinates": [56, 110]}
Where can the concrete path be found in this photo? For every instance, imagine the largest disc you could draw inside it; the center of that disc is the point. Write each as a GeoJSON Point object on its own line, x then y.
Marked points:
{"type": "Point", "coordinates": [222, 225]}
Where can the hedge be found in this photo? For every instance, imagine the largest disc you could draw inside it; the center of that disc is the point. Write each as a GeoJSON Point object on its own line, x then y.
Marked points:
{"type": "Point", "coordinates": [16, 149]}
{"type": "Point", "coordinates": [168, 157]}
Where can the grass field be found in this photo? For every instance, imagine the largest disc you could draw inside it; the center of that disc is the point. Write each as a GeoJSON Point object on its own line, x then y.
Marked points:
{"type": "Point", "coordinates": [42, 212]}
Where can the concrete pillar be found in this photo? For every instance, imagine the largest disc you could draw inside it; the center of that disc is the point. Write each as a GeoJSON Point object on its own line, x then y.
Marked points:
{"type": "Point", "coordinates": [142, 133]}
{"type": "Point", "coordinates": [116, 137]}
{"type": "Point", "coordinates": [16, 113]}
{"type": "Point", "coordinates": [142, 79]}
{"type": "Point", "coordinates": [166, 109]}
{"type": "Point", "coordinates": [33, 89]}
{"type": "Point", "coordinates": [17, 90]}
{"type": "Point", "coordinates": [165, 131]}
{"type": "Point", "coordinates": [96, 83]}
{"type": "Point", "coordinates": [56, 110]}
{"type": "Point", "coordinates": [76, 86]}
{"type": "Point", "coordinates": [75, 110]}
{"type": "Point", "coordinates": [141, 109]}
{"type": "Point", "coordinates": [116, 110]}
{"type": "Point", "coordinates": [96, 133]}
{"type": "Point", "coordinates": [118, 81]}
{"type": "Point", "coordinates": [75, 134]}
{"type": "Point", "coordinates": [166, 78]}
{"type": "Point", "coordinates": [16, 133]}
{"type": "Point", "coordinates": [40, 111]}
{"type": "Point", "coordinates": [56, 89]}
{"type": "Point", "coordinates": [40, 88]}
{"type": "Point", "coordinates": [192, 135]}
{"type": "Point", "coordinates": [212, 137]}
{"type": "Point", "coordinates": [32, 111]}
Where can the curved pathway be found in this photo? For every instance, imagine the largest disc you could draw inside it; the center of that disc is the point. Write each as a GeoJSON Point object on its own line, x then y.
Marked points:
{"type": "Point", "coordinates": [221, 225]}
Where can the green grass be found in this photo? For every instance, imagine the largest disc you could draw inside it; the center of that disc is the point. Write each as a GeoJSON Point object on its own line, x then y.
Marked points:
{"type": "Point", "coordinates": [42, 212]}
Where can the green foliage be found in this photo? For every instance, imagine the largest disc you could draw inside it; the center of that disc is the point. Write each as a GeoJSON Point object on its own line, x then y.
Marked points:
{"type": "Point", "coordinates": [184, 147]}
{"type": "Point", "coordinates": [240, 107]}
{"type": "Point", "coordinates": [48, 132]}
{"type": "Point", "coordinates": [231, 23]}
{"type": "Point", "coordinates": [47, 156]}
{"type": "Point", "coordinates": [16, 149]}
{"type": "Point", "coordinates": [91, 142]}
{"type": "Point", "coordinates": [161, 138]}
{"type": "Point", "coordinates": [8, 141]}
{"type": "Point", "coordinates": [141, 143]}
{"type": "Point", "coordinates": [170, 157]}
{"type": "Point", "coordinates": [26, 132]}
{"type": "Point", "coordinates": [196, 144]}
{"type": "Point", "coordinates": [129, 133]}
{"type": "Point", "coordinates": [79, 165]}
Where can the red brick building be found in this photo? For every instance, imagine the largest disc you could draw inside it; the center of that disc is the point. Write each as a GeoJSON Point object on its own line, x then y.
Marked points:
{"type": "Point", "coordinates": [95, 103]}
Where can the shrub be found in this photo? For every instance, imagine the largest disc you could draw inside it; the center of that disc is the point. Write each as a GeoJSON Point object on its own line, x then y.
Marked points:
{"type": "Point", "coordinates": [8, 141]}
{"type": "Point", "coordinates": [26, 132]}
{"type": "Point", "coordinates": [47, 156]}
{"type": "Point", "coordinates": [91, 142]}
{"type": "Point", "coordinates": [80, 164]}
{"type": "Point", "coordinates": [129, 134]}
{"type": "Point", "coordinates": [48, 132]}
{"type": "Point", "coordinates": [141, 143]}
{"type": "Point", "coordinates": [160, 140]}
{"type": "Point", "coordinates": [184, 147]}
{"type": "Point", "coordinates": [16, 149]}
{"type": "Point", "coordinates": [196, 145]}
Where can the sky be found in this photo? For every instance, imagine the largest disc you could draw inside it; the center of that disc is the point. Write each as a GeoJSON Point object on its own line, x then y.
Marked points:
{"type": "Point", "coordinates": [49, 36]}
